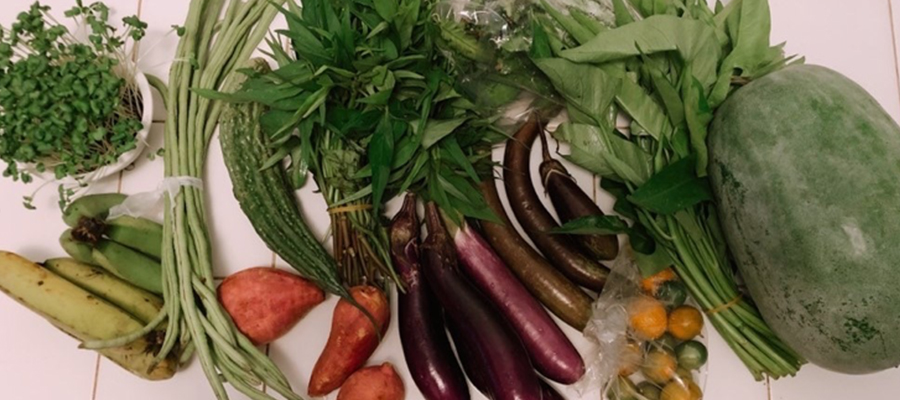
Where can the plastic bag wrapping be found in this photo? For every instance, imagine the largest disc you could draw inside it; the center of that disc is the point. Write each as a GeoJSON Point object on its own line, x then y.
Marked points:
{"type": "Point", "coordinates": [149, 205]}
{"type": "Point", "coordinates": [647, 338]}
{"type": "Point", "coordinates": [489, 42]}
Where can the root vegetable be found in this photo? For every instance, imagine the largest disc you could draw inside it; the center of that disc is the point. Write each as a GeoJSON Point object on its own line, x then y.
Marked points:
{"type": "Point", "coordinates": [352, 340]}
{"type": "Point", "coordinates": [265, 303]}
{"type": "Point", "coordinates": [373, 383]}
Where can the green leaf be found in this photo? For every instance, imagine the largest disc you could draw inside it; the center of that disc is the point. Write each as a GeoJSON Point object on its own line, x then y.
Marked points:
{"type": "Point", "coordinates": [274, 120]}
{"type": "Point", "coordinates": [468, 201]}
{"type": "Point", "coordinates": [592, 93]}
{"type": "Point", "coordinates": [456, 154]}
{"type": "Point", "coordinates": [306, 44]}
{"type": "Point", "coordinates": [573, 27]}
{"type": "Point", "coordinates": [653, 263]}
{"type": "Point", "coordinates": [381, 154]}
{"type": "Point", "coordinates": [540, 43]}
{"type": "Point", "coordinates": [699, 115]}
{"type": "Point", "coordinates": [435, 130]}
{"type": "Point", "coordinates": [276, 158]}
{"type": "Point", "coordinates": [641, 241]}
{"type": "Point", "coordinates": [299, 167]}
{"type": "Point", "coordinates": [623, 14]}
{"type": "Point", "coordinates": [749, 30]}
{"type": "Point", "coordinates": [379, 98]}
{"type": "Point", "coordinates": [694, 40]}
{"type": "Point", "coordinates": [675, 188]}
{"type": "Point", "coordinates": [590, 22]}
{"type": "Point", "coordinates": [641, 107]}
{"type": "Point", "coordinates": [620, 191]}
{"type": "Point", "coordinates": [670, 98]}
{"type": "Point", "coordinates": [406, 150]}
{"type": "Point", "coordinates": [593, 225]}
{"type": "Point", "coordinates": [386, 9]}
{"type": "Point", "coordinates": [605, 153]}
{"type": "Point", "coordinates": [418, 167]}
{"type": "Point", "coordinates": [407, 18]}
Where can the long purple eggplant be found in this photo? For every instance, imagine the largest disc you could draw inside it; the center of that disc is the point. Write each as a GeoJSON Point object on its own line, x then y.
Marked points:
{"type": "Point", "coordinates": [473, 364]}
{"type": "Point", "coordinates": [552, 352]}
{"type": "Point", "coordinates": [508, 373]}
{"type": "Point", "coordinates": [426, 348]}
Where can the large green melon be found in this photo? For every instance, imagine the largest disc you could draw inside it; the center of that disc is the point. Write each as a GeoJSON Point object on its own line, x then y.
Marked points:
{"type": "Point", "coordinates": [805, 167]}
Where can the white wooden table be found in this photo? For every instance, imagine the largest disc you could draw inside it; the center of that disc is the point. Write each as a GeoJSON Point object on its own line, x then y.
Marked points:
{"type": "Point", "coordinates": [37, 362]}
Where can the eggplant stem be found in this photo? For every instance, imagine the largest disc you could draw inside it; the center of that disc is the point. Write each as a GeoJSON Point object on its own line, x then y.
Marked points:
{"type": "Point", "coordinates": [545, 147]}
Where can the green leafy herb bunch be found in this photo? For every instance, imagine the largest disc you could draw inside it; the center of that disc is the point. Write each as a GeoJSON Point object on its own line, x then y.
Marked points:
{"type": "Point", "coordinates": [66, 105]}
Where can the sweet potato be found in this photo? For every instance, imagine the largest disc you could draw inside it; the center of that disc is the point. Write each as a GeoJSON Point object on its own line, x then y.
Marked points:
{"type": "Point", "coordinates": [266, 302]}
{"type": "Point", "coordinates": [352, 340]}
{"type": "Point", "coordinates": [373, 383]}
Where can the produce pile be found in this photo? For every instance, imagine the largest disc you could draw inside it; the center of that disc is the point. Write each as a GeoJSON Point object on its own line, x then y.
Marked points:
{"type": "Point", "coordinates": [738, 174]}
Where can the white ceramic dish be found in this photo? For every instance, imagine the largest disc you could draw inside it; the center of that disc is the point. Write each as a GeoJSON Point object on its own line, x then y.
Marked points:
{"type": "Point", "coordinates": [125, 159]}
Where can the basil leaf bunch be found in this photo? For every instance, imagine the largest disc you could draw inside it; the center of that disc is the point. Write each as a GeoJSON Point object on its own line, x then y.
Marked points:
{"type": "Point", "coordinates": [365, 101]}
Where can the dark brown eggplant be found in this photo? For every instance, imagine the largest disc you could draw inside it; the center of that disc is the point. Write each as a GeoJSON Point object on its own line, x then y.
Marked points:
{"type": "Point", "coordinates": [546, 283]}
{"type": "Point", "coordinates": [426, 347]}
{"type": "Point", "coordinates": [508, 373]}
{"type": "Point", "coordinates": [570, 203]}
{"type": "Point", "coordinates": [536, 220]}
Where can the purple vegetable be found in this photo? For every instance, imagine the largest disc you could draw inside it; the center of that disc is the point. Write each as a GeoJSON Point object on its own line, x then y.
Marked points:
{"type": "Point", "coordinates": [473, 364]}
{"type": "Point", "coordinates": [550, 392]}
{"type": "Point", "coordinates": [426, 348]}
{"type": "Point", "coordinates": [552, 352]}
{"type": "Point", "coordinates": [471, 361]}
{"type": "Point", "coordinates": [508, 373]}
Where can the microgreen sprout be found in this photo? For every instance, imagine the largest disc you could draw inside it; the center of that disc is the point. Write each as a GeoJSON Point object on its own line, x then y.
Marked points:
{"type": "Point", "coordinates": [67, 106]}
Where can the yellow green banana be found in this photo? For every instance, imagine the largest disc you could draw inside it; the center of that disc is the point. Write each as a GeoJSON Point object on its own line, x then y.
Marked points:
{"type": "Point", "coordinates": [137, 233]}
{"type": "Point", "coordinates": [129, 264]}
{"type": "Point", "coordinates": [80, 251]}
{"type": "Point", "coordinates": [82, 315]}
{"type": "Point", "coordinates": [138, 302]}
{"type": "Point", "coordinates": [91, 206]}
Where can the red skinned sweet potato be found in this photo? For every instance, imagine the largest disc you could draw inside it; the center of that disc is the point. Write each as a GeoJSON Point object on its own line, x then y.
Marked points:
{"type": "Point", "coordinates": [373, 383]}
{"type": "Point", "coordinates": [266, 302]}
{"type": "Point", "coordinates": [352, 340]}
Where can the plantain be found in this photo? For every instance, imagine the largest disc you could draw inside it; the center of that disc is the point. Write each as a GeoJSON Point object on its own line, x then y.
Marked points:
{"type": "Point", "coordinates": [129, 264]}
{"type": "Point", "coordinates": [141, 304]}
{"type": "Point", "coordinates": [82, 315]}
{"type": "Point", "coordinates": [140, 234]}
{"type": "Point", "coordinates": [91, 206]}
{"type": "Point", "coordinates": [78, 250]}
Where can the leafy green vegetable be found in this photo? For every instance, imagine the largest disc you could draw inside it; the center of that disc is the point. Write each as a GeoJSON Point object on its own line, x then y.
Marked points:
{"type": "Point", "coordinates": [673, 189]}
{"type": "Point", "coordinates": [605, 153]}
{"type": "Point", "coordinates": [591, 94]}
{"type": "Point", "coordinates": [667, 68]}
{"type": "Point", "coordinates": [368, 104]}
{"type": "Point", "coordinates": [695, 42]}
{"type": "Point", "coordinates": [65, 104]}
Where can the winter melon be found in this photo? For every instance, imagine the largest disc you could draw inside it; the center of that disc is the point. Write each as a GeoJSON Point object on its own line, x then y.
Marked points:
{"type": "Point", "coordinates": [805, 167]}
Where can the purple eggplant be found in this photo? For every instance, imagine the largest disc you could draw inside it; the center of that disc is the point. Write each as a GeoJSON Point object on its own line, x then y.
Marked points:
{"type": "Point", "coordinates": [426, 347]}
{"type": "Point", "coordinates": [508, 373]}
{"type": "Point", "coordinates": [473, 364]}
{"type": "Point", "coordinates": [550, 350]}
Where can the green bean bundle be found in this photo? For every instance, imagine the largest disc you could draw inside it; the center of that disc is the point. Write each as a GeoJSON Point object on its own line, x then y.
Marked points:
{"type": "Point", "coordinates": [210, 50]}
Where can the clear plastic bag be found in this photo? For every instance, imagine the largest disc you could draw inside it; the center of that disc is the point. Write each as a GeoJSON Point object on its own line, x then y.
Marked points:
{"type": "Point", "coordinates": [648, 338]}
{"type": "Point", "coordinates": [488, 41]}
{"type": "Point", "coordinates": [149, 205]}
